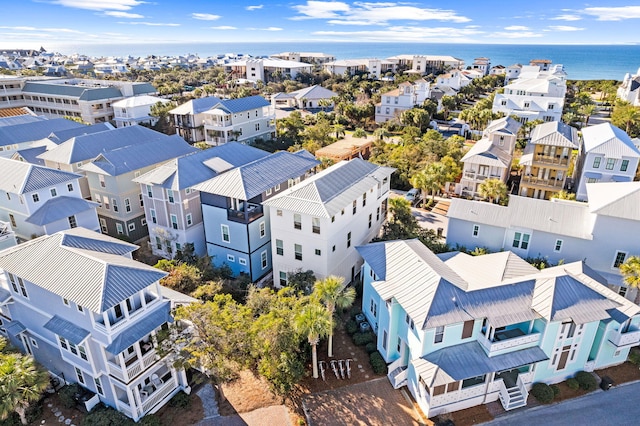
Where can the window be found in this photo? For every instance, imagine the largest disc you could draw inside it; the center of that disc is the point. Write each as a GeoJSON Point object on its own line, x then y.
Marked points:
{"type": "Point", "coordinates": [467, 329]}
{"type": "Point", "coordinates": [333, 248]}
{"type": "Point", "coordinates": [154, 219]}
{"type": "Point", "coordinates": [439, 336]}
{"type": "Point", "coordinates": [105, 200]}
{"type": "Point", "coordinates": [373, 308]}
{"type": "Point", "coordinates": [473, 381]}
{"type": "Point", "coordinates": [297, 221]}
{"type": "Point", "coordinates": [225, 233]}
{"type": "Point", "coordinates": [53, 191]}
{"type": "Point", "coordinates": [170, 195]}
{"type": "Point", "coordinates": [174, 221]}
{"type": "Point", "coordinates": [558, 246]}
{"type": "Point", "coordinates": [283, 279]}
{"type": "Point", "coordinates": [623, 291]}
{"type": "Point", "coordinates": [102, 182]}
{"type": "Point", "coordinates": [476, 231]}
{"type": "Point", "coordinates": [355, 206]}
{"type": "Point", "coordinates": [527, 104]}
{"type": "Point", "coordinates": [23, 289]}
{"type": "Point", "coordinates": [65, 301]}
{"type": "Point", "coordinates": [624, 165]}
{"type": "Point", "coordinates": [268, 191]}
{"type": "Point", "coordinates": [149, 191]}
{"type": "Point", "coordinates": [131, 226]}
{"type": "Point", "coordinates": [127, 205]}
{"type": "Point", "coordinates": [278, 187]}
{"type": "Point", "coordinates": [263, 231]}
{"type": "Point", "coordinates": [98, 199]}
{"type": "Point", "coordinates": [263, 259]}
{"type": "Point", "coordinates": [297, 249]}
{"type": "Point", "coordinates": [333, 219]}
{"type": "Point", "coordinates": [141, 200]}
{"type": "Point", "coordinates": [98, 386]}
{"type": "Point", "coordinates": [143, 222]}
{"type": "Point", "coordinates": [370, 218]}
{"type": "Point", "coordinates": [592, 180]}
{"type": "Point", "coordinates": [385, 337]}
{"type": "Point", "coordinates": [72, 222]}
{"type": "Point", "coordinates": [231, 258]}
{"type": "Point", "coordinates": [103, 226]}
{"type": "Point", "coordinates": [610, 163]}
{"type": "Point", "coordinates": [364, 199]}
{"type": "Point", "coordinates": [349, 240]}
{"type": "Point", "coordinates": [242, 261]}
{"type": "Point", "coordinates": [318, 252]}
{"type": "Point", "coordinates": [12, 219]}
{"type": "Point", "coordinates": [189, 219]}
{"type": "Point", "coordinates": [315, 225]}
{"type": "Point", "coordinates": [119, 229]}
{"type": "Point", "coordinates": [35, 197]}
{"type": "Point", "coordinates": [80, 376]}
{"type": "Point", "coordinates": [521, 240]}
{"type": "Point", "coordinates": [115, 204]}
{"type": "Point", "coordinates": [279, 212]}
{"type": "Point", "coordinates": [83, 352]}
{"type": "Point", "coordinates": [63, 343]}
{"type": "Point", "coordinates": [158, 243]}
{"type": "Point", "coordinates": [279, 248]}
{"type": "Point", "coordinates": [596, 162]}
{"type": "Point", "coordinates": [619, 259]}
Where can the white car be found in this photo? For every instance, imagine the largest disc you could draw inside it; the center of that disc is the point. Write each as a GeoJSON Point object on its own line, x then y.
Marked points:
{"type": "Point", "coordinates": [412, 195]}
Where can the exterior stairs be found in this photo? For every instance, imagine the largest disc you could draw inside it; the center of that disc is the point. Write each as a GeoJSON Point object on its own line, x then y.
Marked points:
{"type": "Point", "coordinates": [513, 397]}
{"type": "Point", "coordinates": [398, 377]}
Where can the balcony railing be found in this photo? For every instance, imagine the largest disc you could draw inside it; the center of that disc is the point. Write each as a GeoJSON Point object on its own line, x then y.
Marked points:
{"type": "Point", "coordinates": [134, 366]}
{"type": "Point", "coordinates": [548, 159]}
{"type": "Point", "coordinates": [550, 182]}
{"type": "Point", "coordinates": [510, 339]}
{"type": "Point", "coordinates": [159, 394]}
{"type": "Point", "coordinates": [252, 212]}
{"type": "Point", "coordinates": [120, 322]}
{"type": "Point", "coordinates": [630, 338]}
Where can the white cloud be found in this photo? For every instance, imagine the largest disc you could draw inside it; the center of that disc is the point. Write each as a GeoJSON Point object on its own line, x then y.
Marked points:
{"type": "Point", "coordinates": [613, 13]}
{"type": "Point", "coordinates": [265, 29]}
{"type": "Point", "coordinates": [408, 34]}
{"type": "Point", "coordinates": [224, 27]}
{"type": "Point", "coordinates": [564, 28]}
{"type": "Point", "coordinates": [205, 16]}
{"type": "Point", "coordinates": [567, 17]}
{"type": "Point", "coordinates": [151, 24]}
{"type": "Point", "coordinates": [100, 4]}
{"type": "Point", "coordinates": [126, 15]}
{"type": "Point", "coordinates": [517, 28]}
{"type": "Point", "coordinates": [252, 8]}
{"type": "Point", "coordinates": [51, 30]}
{"type": "Point", "coordinates": [354, 23]}
{"type": "Point", "coordinates": [373, 13]}
{"type": "Point", "coordinates": [514, 34]}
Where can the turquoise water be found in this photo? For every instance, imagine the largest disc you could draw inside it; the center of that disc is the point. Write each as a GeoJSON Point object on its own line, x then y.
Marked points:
{"type": "Point", "coordinates": [582, 62]}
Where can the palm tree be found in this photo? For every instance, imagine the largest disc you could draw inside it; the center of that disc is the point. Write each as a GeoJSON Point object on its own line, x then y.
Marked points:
{"type": "Point", "coordinates": [381, 133]}
{"type": "Point", "coordinates": [334, 295]}
{"type": "Point", "coordinates": [493, 189]}
{"type": "Point", "coordinates": [339, 130]}
{"type": "Point", "coordinates": [630, 270]}
{"type": "Point", "coordinates": [22, 383]}
{"type": "Point", "coordinates": [314, 321]}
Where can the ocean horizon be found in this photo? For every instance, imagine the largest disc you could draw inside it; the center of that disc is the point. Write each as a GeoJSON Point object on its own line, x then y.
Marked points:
{"type": "Point", "coordinates": [581, 62]}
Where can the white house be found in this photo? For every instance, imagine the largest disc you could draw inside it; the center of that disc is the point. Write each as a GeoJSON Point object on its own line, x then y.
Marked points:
{"type": "Point", "coordinates": [609, 155]}
{"type": "Point", "coordinates": [188, 118]}
{"type": "Point", "coordinates": [242, 120]}
{"type": "Point", "coordinates": [317, 224]}
{"type": "Point", "coordinates": [629, 89]}
{"type": "Point", "coordinates": [135, 110]}
{"type": "Point", "coordinates": [309, 97]}
{"type": "Point", "coordinates": [7, 236]}
{"type": "Point", "coordinates": [603, 232]}
{"type": "Point", "coordinates": [455, 79]}
{"type": "Point", "coordinates": [534, 94]}
{"type": "Point", "coordinates": [306, 57]}
{"type": "Point", "coordinates": [37, 200]}
{"type": "Point", "coordinates": [375, 68]}
{"type": "Point", "coordinates": [90, 314]}
{"type": "Point", "coordinates": [267, 69]}
{"type": "Point", "coordinates": [425, 64]}
{"type": "Point", "coordinates": [405, 97]}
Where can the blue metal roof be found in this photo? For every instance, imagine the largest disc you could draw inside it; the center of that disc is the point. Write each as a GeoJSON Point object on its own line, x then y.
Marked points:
{"type": "Point", "coordinates": [20, 119]}
{"type": "Point", "coordinates": [57, 208]}
{"type": "Point", "coordinates": [66, 329]}
{"type": "Point", "coordinates": [41, 177]}
{"type": "Point", "coordinates": [30, 155]}
{"type": "Point", "coordinates": [134, 157]}
{"type": "Point", "coordinates": [27, 132]}
{"type": "Point", "coordinates": [83, 93]}
{"type": "Point", "coordinates": [60, 136]}
{"type": "Point", "coordinates": [143, 88]}
{"type": "Point", "coordinates": [140, 329]}
{"type": "Point", "coordinates": [244, 104]}
{"type": "Point", "coordinates": [121, 282]}
{"type": "Point", "coordinates": [470, 360]}
{"type": "Point", "coordinates": [15, 327]}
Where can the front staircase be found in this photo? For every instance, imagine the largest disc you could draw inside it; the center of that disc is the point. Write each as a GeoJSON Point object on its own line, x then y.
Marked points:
{"type": "Point", "coordinates": [397, 374]}
{"type": "Point", "coordinates": [514, 396]}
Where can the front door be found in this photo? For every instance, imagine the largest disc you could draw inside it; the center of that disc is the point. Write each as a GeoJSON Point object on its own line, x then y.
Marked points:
{"type": "Point", "coordinates": [564, 356]}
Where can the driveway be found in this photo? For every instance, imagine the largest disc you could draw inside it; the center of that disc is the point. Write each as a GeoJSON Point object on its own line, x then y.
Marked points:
{"type": "Point", "coordinates": [614, 407]}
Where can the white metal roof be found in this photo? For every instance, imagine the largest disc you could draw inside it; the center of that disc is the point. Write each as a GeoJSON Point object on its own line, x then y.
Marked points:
{"type": "Point", "coordinates": [609, 140]}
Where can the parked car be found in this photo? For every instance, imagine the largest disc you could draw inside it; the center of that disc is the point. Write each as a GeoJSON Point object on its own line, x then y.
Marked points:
{"type": "Point", "coordinates": [412, 195]}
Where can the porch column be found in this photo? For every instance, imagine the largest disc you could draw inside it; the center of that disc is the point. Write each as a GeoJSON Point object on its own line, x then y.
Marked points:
{"type": "Point", "coordinates": [123, 366]}
{"type": "Point", "coordinates": [134, 402]}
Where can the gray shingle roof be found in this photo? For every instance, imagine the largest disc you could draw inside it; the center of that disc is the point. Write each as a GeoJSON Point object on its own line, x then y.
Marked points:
{"type": "Point", "coordinates": [250, 180]}
{"type": "Point", "coordinates": [19, 177]}
{"type": "Point", "coordinates": [191, 169]}
{"type": "Point", "coordinates": [92, 279]}
{"type": "Point", "coordinates": [66, 329]}
{"type": "Point", "coordinates": [134, 157]}
{"type": "Point", "coordinates": [329, 191]}
{"type": "Point", "coordinates": [140, 329]}
{"type": "Point", "coordinates": [59, 208]}
{"type": "Point", "coordinates": [34, 131]}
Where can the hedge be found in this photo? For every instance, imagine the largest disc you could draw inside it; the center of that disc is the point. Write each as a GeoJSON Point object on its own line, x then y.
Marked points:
{"type": "Point", "coordinates": [542, 392]}
{"type": "Point", "coordinates": [586, 380]}
{"type": "Point", "coordinates": [377, 363]}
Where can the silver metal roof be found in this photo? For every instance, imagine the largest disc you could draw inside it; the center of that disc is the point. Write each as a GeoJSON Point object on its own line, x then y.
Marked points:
{"type": "Point", "coordinates": [20, 178]}
{"type": "Point", "coordinates": [93, 279]}
{"type": "Point", "coordinates": [66, 329]}
{"type": "Point", "coordinates": [609, 140]}
{"type": "Point", "coordinates": [86, 239]}
{"type": "Point", "coordinates": [57, 208]}
{"type": "Point", "coordinates": [487, 153]}
{"type": "Point", "coordinates": [617, 199]}
{"type": "Point", "coordinates": [555, 133]}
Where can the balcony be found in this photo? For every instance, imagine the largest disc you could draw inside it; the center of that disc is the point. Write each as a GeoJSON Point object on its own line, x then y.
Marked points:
{"type": "Point", "coordinates": [550, 182]}
{"type": "Point", "coordinates": [620, 340]}
{"type": "Point", "coordinates": [117, 323]}
{"type": "Point", "coordinates": [247, 215]}
{"type": "Point", "coordinates": [157, 390]}
{"type": "Point", "coordinates": [509, 339]}
{"type": "Point", "coordinates": [133, 366]}
{"type": "Point", "coordinates": [548, 159]}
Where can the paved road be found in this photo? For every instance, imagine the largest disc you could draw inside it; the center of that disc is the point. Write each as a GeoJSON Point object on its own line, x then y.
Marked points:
{"type": "Point", "coordinates": [617, 406]}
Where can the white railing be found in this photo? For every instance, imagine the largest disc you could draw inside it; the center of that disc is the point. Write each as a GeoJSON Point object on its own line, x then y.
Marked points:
{"type": "Point", "coordinates": [133, 369]}
{"type": "Point", "coordinates": [523, 389]}
{"type": "Point", "coordinates": [124, 320]}
{"type": "Point", "coordinates": [515, 342]}
{"type": "Point", "coordinates": [149, 359]}
{"type": "Point", "coordinates": [116, 371]}
{"type": "Point", "coordinates": [124, 408]}
{"type": "Point", "coordinates": [395, 365]}
{"type": "Point", "coordinates": [630, 338]}
{"type": "Point", "coordinates": [504, 395]}
{"type": "Point", "coordinates": [158, 395]}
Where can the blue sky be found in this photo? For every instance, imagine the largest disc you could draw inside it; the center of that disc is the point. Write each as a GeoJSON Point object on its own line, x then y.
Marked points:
{"type": "Point", "coordinates": [29, 23]}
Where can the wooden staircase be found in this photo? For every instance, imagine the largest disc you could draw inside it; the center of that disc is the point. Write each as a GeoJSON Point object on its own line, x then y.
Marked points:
{"type": "Point", "coordinates": [441, 208]}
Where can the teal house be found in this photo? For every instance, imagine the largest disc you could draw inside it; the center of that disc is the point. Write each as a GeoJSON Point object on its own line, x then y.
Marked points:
{"type": "Point", "coordinates": [461, 331]}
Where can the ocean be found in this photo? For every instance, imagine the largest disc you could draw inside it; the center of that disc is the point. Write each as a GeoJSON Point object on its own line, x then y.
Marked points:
{"type": "Point", "coordinates": [582, 62]}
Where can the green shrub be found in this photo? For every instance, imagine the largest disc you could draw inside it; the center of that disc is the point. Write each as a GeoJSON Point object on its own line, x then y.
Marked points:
{"type": "Point", "coordinates": [542, 392]}
{"type": "Point", "coordinates": [377, 363]}
{"type": "Point", "coordinates": [361, 339]}
{"type": "Point", "coordinates": [586, 380]}
{"type": "Point", "coordinates": [573, 384]}
{"type": "Point", "coordinates": [151, 420]}
{"type": "Point", "coordinates": [106, 416]}
{"type": "Point", "coordinates": [371, 347]}
{"type": "Point", "coordinates": [556, 390]}
{"type": "Point", "coordinates": [180, 400]}
{"type": "Point", "coordinates": [66, 395]}
{"type": "Point", "coordinates": [634, 357]}
{"type": "Point", "coordinates": [351, 327]}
